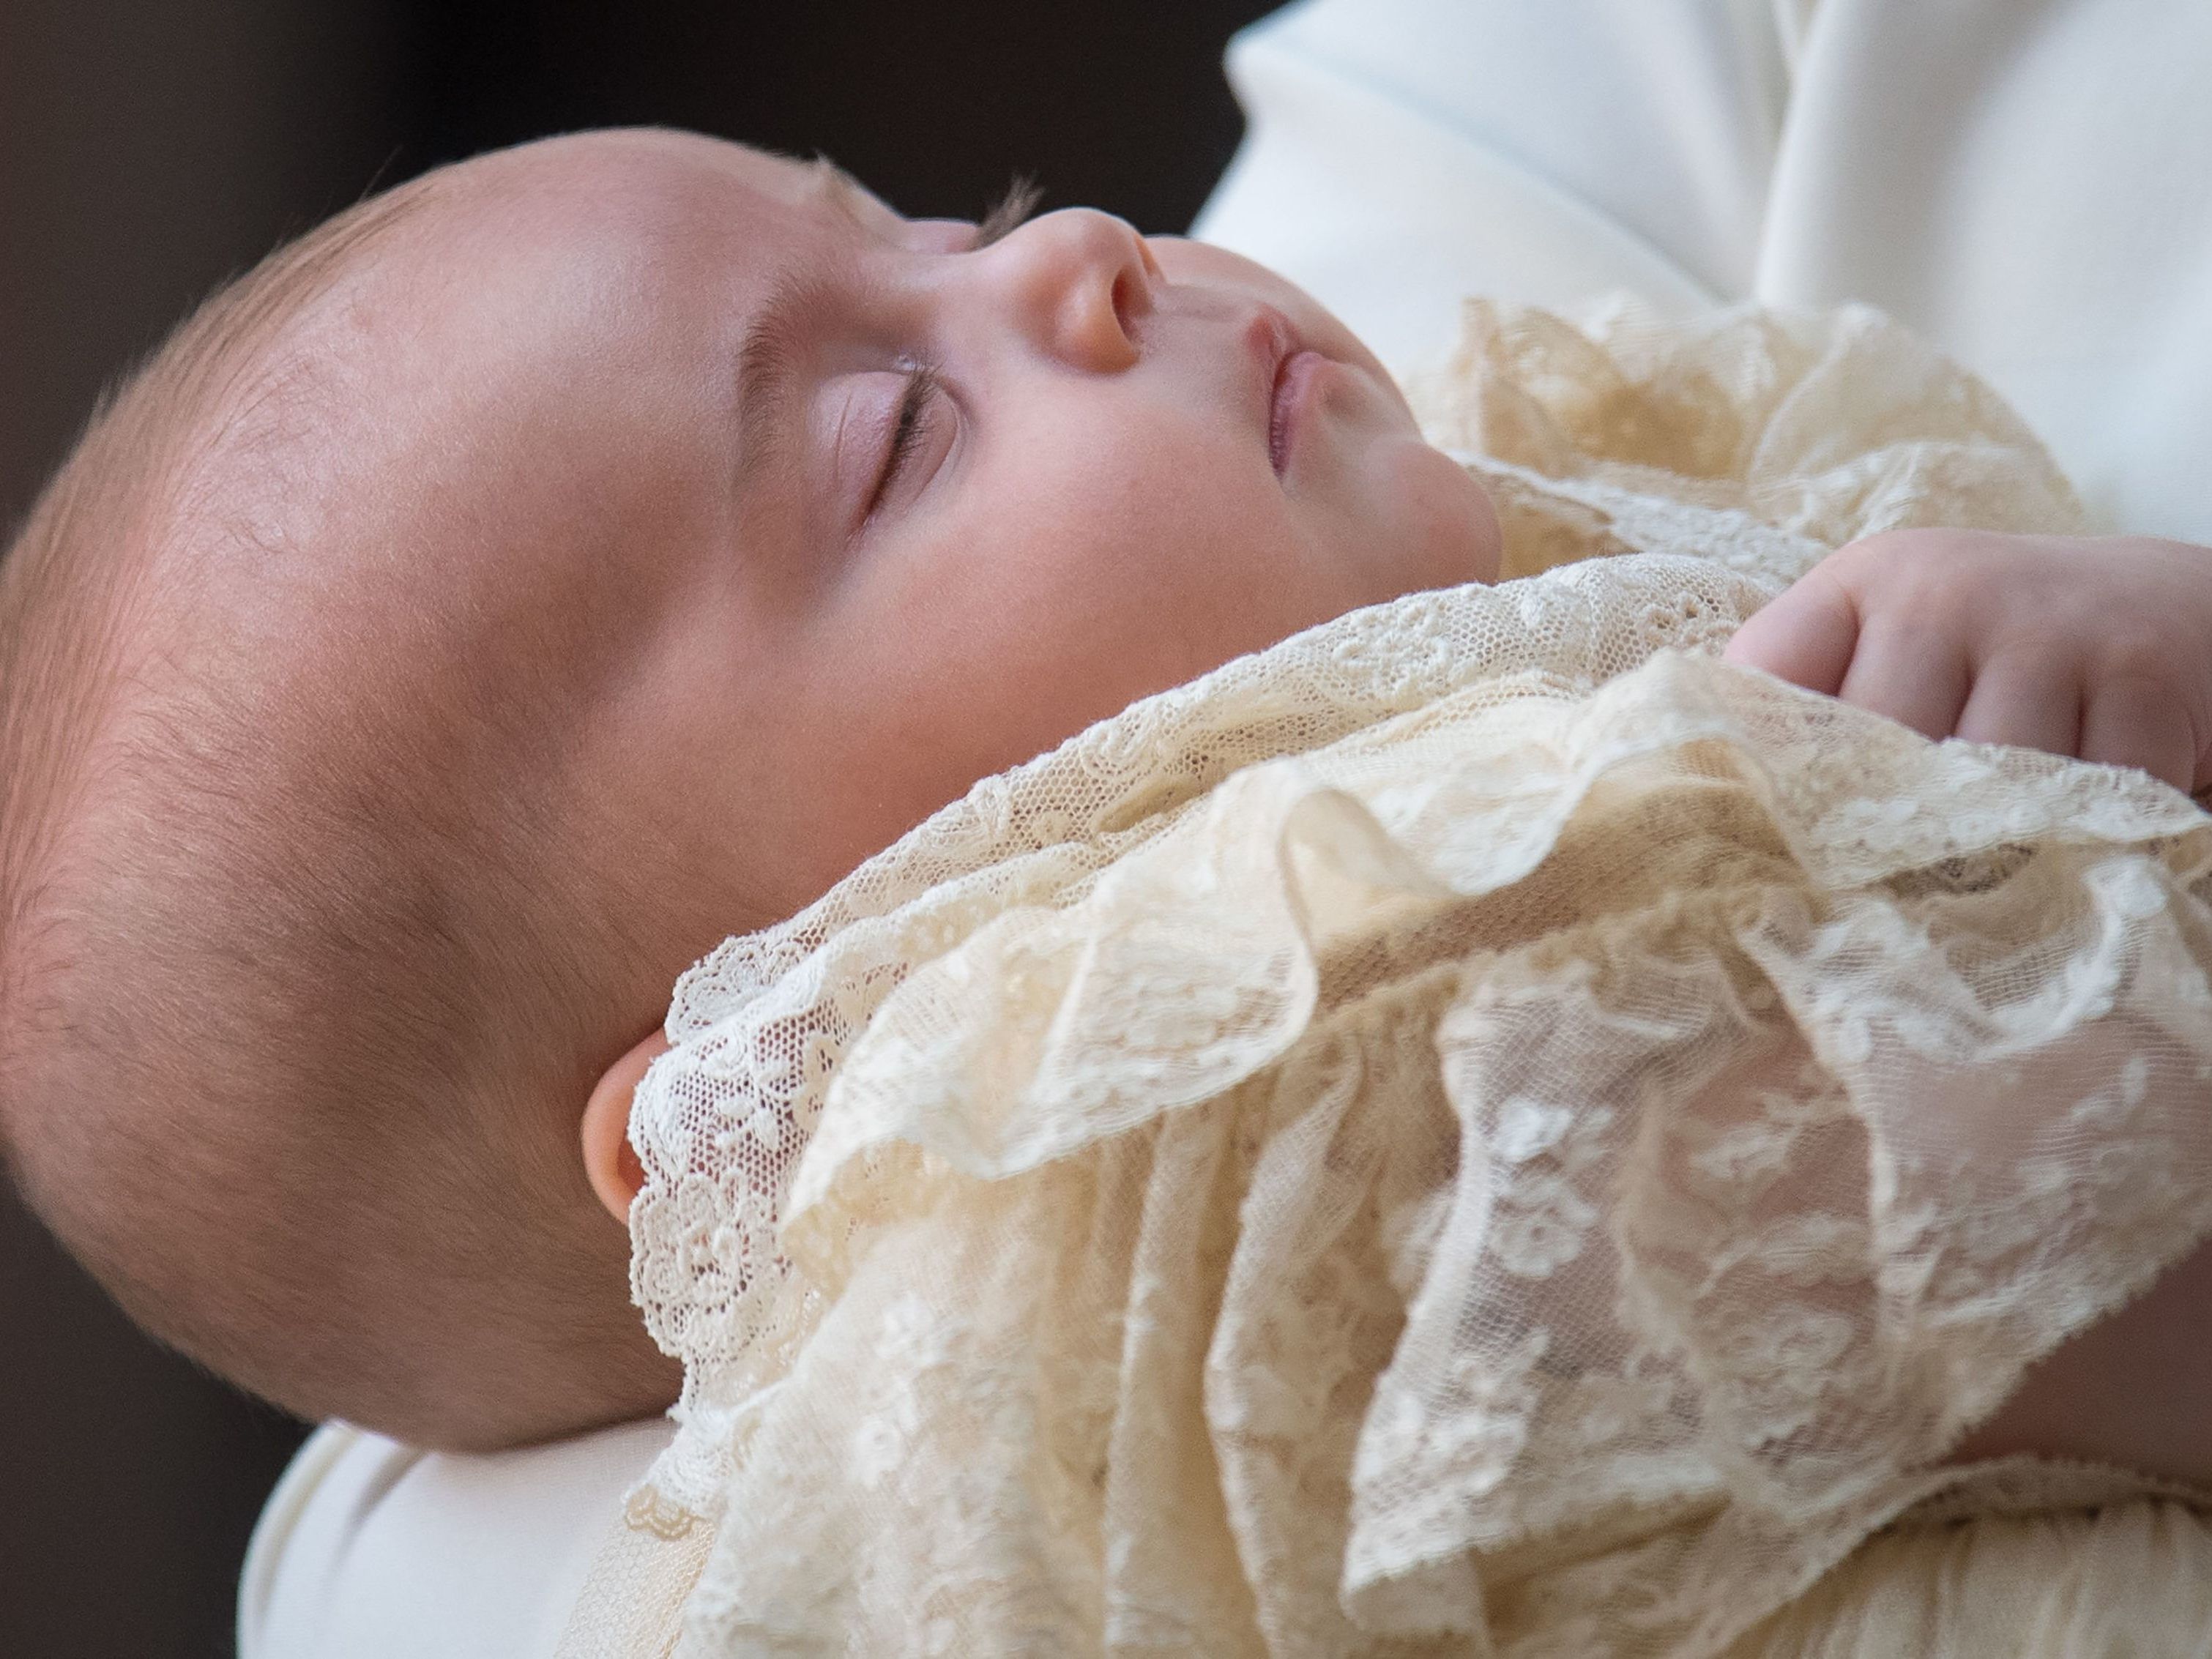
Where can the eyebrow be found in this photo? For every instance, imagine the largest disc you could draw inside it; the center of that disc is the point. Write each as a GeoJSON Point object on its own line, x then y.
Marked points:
{"type": "Point", "coordinates": [768, 359]}
{"type": "Point", "coordinates": [771, 352]}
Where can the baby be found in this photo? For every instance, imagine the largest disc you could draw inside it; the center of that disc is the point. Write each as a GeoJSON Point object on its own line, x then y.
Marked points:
{"type": "Point", "coordinates": [597, 549]}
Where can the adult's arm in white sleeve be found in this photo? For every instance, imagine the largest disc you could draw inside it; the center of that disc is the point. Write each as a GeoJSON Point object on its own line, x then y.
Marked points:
{"type": "Point", "coordinates": [1402, 154]}
{"type": "Point", "coordinates": [368, 1548]}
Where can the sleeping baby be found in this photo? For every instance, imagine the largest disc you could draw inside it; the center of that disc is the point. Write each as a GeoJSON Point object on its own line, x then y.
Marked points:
{"type": "Point", "coordinates": [392, 672]}
{"type": "Point", "coordinates": [600, 549]}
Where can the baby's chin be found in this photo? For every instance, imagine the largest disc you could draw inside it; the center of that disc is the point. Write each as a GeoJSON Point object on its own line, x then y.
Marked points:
{"type": "Point", "coordinates": [1442, 526]}
{"type": "Point", "coordinates": [1481, 538]}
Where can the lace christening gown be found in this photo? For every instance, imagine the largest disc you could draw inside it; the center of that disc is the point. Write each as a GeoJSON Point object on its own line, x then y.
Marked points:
{"type": "Point", "coordinates": [1478, 1130]}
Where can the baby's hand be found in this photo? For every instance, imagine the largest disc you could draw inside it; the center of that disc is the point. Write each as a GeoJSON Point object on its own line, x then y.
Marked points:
{"type": "Point", "coordinates": [2097, 648]}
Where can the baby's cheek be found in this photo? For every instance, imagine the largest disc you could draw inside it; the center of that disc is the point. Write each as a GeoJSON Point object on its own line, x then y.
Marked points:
{"type": "Point", "coordinates": [1441, 527]}
{"type": "Point", "coordinates": [1126, 567]}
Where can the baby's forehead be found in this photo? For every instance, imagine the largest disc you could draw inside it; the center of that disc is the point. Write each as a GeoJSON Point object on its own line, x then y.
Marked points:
{"type": "Point", "coordinates": [514, 414]}
{"type": "Point", "coordinates": [638, 191]}
{"type": "Point", "coordinates": [617, 246]}
{"type": "Point", "coordinates": [615, 281]}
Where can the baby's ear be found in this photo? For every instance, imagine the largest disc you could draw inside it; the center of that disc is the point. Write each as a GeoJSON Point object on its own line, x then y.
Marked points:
{"type": "Point", "coordinates": [608, 1159]}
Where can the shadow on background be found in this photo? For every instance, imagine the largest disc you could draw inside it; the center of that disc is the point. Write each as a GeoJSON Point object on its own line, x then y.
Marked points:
{"type": "Point", "coordinates": [150, 148]}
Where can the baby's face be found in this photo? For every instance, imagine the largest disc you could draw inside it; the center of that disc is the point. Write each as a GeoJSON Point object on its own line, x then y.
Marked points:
{"type": "Point", "coordinates": [793, 518]}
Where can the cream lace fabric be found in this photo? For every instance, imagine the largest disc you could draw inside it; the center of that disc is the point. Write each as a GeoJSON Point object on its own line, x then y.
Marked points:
{"type": "Point", "coordinates": [1478, 1130]}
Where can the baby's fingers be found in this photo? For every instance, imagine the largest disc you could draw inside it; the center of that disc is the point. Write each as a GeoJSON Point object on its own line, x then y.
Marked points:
{"type": "Point", "coordinates": [1916, 675]}
{"type": "Point", "coordinates": [1805, 636]}
{"type": "Point", "coordinates": [2024, 698]}
{"type": "Point", "coordinates": [2134, 720]}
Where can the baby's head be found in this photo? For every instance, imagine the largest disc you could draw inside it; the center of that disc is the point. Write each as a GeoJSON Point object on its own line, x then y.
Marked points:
{"type": "Point", "coordinates": [537, 575]}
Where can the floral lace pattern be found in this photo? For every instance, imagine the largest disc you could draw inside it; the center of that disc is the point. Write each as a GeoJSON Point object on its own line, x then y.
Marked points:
{"type": "Point", "coordinates": [1420, 1140]}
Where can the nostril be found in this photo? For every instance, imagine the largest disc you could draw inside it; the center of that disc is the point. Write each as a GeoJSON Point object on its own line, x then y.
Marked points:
{"type": "Point", "coordinates": [1132, 298]}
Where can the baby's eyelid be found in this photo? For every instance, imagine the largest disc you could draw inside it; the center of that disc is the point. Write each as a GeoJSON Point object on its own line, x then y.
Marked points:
{"type": "Point", "coordinates": [910, 424]}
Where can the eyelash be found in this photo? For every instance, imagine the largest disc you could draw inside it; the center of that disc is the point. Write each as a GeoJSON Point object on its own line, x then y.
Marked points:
{"type": "Point", "coordinates": [921, 383]}
{"type": "Point", "coordinates": [1009, 213]}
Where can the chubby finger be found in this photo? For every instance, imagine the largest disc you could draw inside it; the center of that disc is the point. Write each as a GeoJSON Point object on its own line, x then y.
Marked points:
{"type": "Point", "coordinates": [1805, 635]}
{"type": "Point", "coordinates": [2029, 701]}
{"type": "Point", "coordinates": [1916, 676]}
{"type": "Point", "coordinates": [2132, 721]}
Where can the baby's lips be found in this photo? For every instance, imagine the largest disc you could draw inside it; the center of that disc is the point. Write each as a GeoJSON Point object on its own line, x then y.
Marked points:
{"type": "Point", "coordinates": [1270, 340]}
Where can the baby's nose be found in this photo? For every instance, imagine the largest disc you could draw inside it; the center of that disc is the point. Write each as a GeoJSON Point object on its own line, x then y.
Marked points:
{"type": "Point", "coordinates": [1083, 281]}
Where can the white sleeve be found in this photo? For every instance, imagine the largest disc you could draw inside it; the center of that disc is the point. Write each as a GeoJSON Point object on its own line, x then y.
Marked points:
{"type": "Point", "coordinates": [2030, 186]}
{"type": "Point", "coordinates": [1400, 153]}
{"type": "Point", "coordinates": [368, 1548]}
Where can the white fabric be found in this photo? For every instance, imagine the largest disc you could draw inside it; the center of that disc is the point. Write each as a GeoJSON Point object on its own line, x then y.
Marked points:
{"type": "Point", "coordinates": [2022, 182]}
{"type": "Point", "coordinates": [2109, 1582]}
{"type": "Point", "coordinates": [370, 1550]}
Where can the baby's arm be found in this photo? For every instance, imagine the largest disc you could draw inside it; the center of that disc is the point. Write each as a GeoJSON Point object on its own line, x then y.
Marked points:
{"type": "Point", "coordinates": [2096, 648]}
{"type": "Point", "coordinates": [2100, 649]}
{"type": "Point", "coordinates": [2128, 1391]}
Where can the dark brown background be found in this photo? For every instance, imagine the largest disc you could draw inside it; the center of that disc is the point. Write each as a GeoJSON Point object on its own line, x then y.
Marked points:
{"type": "Point", "coordinates": [147, 148]}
